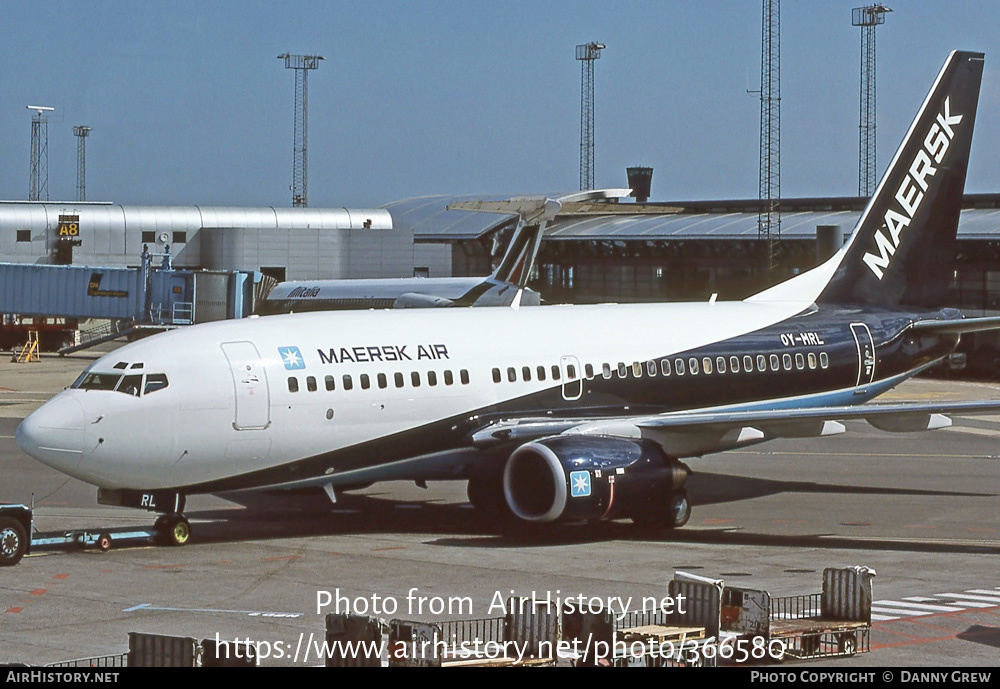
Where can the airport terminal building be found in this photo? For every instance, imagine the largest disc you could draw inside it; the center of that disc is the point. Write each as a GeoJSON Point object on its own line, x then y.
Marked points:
{"type": "Point", "coordinates": [593, 251]}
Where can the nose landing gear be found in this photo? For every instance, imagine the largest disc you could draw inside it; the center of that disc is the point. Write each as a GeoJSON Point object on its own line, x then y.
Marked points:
{"type": "Point", "coordinates": [172, 529]}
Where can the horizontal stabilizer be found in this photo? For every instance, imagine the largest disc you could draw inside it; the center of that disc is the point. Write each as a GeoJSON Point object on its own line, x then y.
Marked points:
{"type": "Point", "coordinates": [957, 326]}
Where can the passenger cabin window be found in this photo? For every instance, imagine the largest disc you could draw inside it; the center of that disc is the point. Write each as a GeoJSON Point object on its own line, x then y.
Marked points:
{"type": "Point", "coordinates": [812, 360]}
{"type": "Point", "coordinates": [774, 362]}
{"type": "Point", "coordinates": [526, 373]}
{"type": "Point", "coordinates": [665, 367]}
{"type": "Point", "coordinates": [556, 375]}
{"type": "Point", "coordinates": [449, 378]}
{"type": "Point", "coordinates": [541, 372]}
{"type": "Point", "coordinates": [622, 369]}
{"type": "Point", "coordinates": [464, 374]}
{"type": "Point", "coordinates": [365, 381]}
{"type": "Point", "coordinates": [293, 384]}
{"type": "Point", "coordinates": [588, 370]}
{"type": "Point", "coordinates": [720, 364]}
{"type": "Point", "coordinates": [432, 378]}
{"type": "Point", "coordinates": [348, 383]}
{"type": "Point", "coordinates": [398, 379]}
{"type": "Point", "coordinates": [761, 363]}
{"type": "Point", "coordinates": [693, 366]}
{"type": "Point", "coordinates": [748, 363]}
{"type": "Point", "coordinates": [311, 383]}
{"type": "Point", "coordinates": [330, 385]}
{"type": "Point", "coordinates": [511, 374]}
{"type": "Point", "coordinates": [415, 379]}
{"type": "Point", "coordinates": [800, 361]}
{"type": "Point", "coordinates": [786, 362]}
{"type": "Point", "coordinates": [637, 369]}
{"type": "Point", "coordinates": [824, 360]}
{"type": "Point", "coordinates": [571, 372]}
{"type": "Point", "coordinates": [679, 366]}
{"type": "Point", "coordinates": [606, 370]}
{"type": "Point", "coordinates": [734, 364]}
{"type": "Point", "coordinates": [706, 364]}
{"type": "Point", "coordinates": [383, 383]}
{"type": "Point", "coordinates": [496, 375]}
{"type": "Point", "coordinates": [651, 368]}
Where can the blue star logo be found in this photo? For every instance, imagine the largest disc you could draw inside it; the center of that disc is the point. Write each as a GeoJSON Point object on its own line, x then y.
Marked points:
{"type": "Point", "coordinates": [291, 357]}
{"type": "Point", "coordinates": [579, 482]}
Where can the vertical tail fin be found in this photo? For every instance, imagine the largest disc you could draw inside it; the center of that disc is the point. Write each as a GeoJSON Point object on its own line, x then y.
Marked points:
{"type": "Point", "coordinates": [902, 250]}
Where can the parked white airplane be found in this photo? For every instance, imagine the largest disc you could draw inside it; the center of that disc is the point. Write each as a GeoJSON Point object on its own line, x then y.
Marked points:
{"type": "Point", "coordinates": [507, 286]}
{"type": "Point", "coordinates": [552, 413]}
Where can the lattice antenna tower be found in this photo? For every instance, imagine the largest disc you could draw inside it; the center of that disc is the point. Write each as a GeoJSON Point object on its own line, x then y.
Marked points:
{"type": "Point", "coordinates": [769, 216]}
{"type": "Point", "coordinates": [586, 54]}
{"type": "Point", "coordinates": [867, 17]}
{"type": "Point", "coordinates": [38, 175]}
{"type": "Point", "coordinates": [81, 133]}
{"type": "Point", "coordinates": [300, 157]}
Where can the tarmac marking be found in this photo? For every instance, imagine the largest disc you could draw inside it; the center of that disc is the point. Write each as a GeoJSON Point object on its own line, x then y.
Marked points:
{"type": "Point", "coordinates": [994, 599]}
{"type": "Point", "coordinates": [283, 557]}
{"type": "Point", "coordinates": [250, 613]}
{"type": "Point", "coordinates": [395, 547]}
{"type": "Point", "coordinates": [13, 611]}
{"type": "Point", "coordinates": [783, 453]}
{"type": "Point", "coordinates": [993, 417]}
{"type": "Point", "coordinates": [39, 592]}
{"type": "Point", "coordinates": [60, 576]}
{"type": "Point", "coordinates": [917, 606]}
{"type": "Point", "coordinates": [971, 430]}
{"type": "Point", "coordinates": [164, 566]}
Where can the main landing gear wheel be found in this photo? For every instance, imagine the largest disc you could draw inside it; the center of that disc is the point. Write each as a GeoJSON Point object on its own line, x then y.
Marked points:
{"type": "Point", "coordinates": [172, 529]}
{"type": "Point", "coordinates": [486, 495]}
{"type": "Point", "coordinates": [13, 542]}
{"type": "Point", "coordinates": [673, 513]}
{"type": "Point", "coordinates": [104, 542]}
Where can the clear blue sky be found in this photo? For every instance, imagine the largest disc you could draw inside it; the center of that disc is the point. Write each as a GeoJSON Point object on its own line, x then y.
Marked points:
{"type": "Point", "coordinates": [189, 104]}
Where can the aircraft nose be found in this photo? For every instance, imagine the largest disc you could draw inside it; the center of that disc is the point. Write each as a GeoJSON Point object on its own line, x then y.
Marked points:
{"type": "Point", "coordinates": [53, 434]}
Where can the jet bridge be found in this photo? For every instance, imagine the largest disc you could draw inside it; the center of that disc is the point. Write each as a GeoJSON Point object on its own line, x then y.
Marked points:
{"type": "Point", "coordinates": [152, 296]}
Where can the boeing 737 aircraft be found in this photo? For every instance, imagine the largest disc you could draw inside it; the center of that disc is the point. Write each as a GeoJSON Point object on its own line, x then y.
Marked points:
{"type": "Point", "coordinates": [507, 285]}
{"type": "Point", "coordinates": [554, 413]}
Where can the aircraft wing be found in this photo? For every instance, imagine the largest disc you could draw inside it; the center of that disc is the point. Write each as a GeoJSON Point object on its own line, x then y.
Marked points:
{"type": "Point", "coordinates": [686, 434]}
{"type": "Point", "coordinates": [680, 434]}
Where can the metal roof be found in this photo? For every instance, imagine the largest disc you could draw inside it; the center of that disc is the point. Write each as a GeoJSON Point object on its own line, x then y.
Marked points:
{"type": "Point", "coordinates": [431, 222]}
{"type": "Point", "coordinates": [974, 223]}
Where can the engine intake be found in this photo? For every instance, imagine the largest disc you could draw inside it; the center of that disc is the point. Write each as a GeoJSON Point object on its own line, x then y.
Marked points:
{"type": "Point", "coordinates": [590, 478]}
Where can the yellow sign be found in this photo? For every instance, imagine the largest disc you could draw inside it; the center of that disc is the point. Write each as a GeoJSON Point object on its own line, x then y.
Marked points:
{"type": "Point", "coordinates": [70, 229]}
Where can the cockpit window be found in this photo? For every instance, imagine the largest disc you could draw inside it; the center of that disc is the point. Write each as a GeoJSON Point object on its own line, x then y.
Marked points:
{"type": "Point", "coordinates": [100, 381]}
{"type": "Point", "coordinates": [154, 382]}
{"type": "Point", "coordinates": [130, 385]}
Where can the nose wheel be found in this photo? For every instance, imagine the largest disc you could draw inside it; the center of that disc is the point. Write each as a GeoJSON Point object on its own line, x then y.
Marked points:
{"type": "Point", "coordinates": [172, 529]}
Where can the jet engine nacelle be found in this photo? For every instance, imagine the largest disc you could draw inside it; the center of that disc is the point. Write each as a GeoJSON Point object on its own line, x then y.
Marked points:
{"type": "Point", "coordinates": [575, 477]}
{"type": "Point", "coordinates": [415, 300]}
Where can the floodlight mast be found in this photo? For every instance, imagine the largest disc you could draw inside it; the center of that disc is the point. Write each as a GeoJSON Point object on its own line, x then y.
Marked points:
{"type": "Point", "coordinates": [38, 174]}
{"type": "Point", "coordinates": [587, 53]}
{"type": "Point", "coordinates": [300, 159]}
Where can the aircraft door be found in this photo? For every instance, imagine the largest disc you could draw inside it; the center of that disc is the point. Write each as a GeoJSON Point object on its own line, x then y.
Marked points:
{"type": "Point", "coordinates": [572, 378]}
{"type": "Point", "coordinates": [866, 357]}
{"type": "Point", "coordinates": [249, 384]}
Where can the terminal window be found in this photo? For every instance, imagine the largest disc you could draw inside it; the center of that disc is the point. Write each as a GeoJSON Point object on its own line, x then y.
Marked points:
{"type": "Point", "coordinates": [24, 235]}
